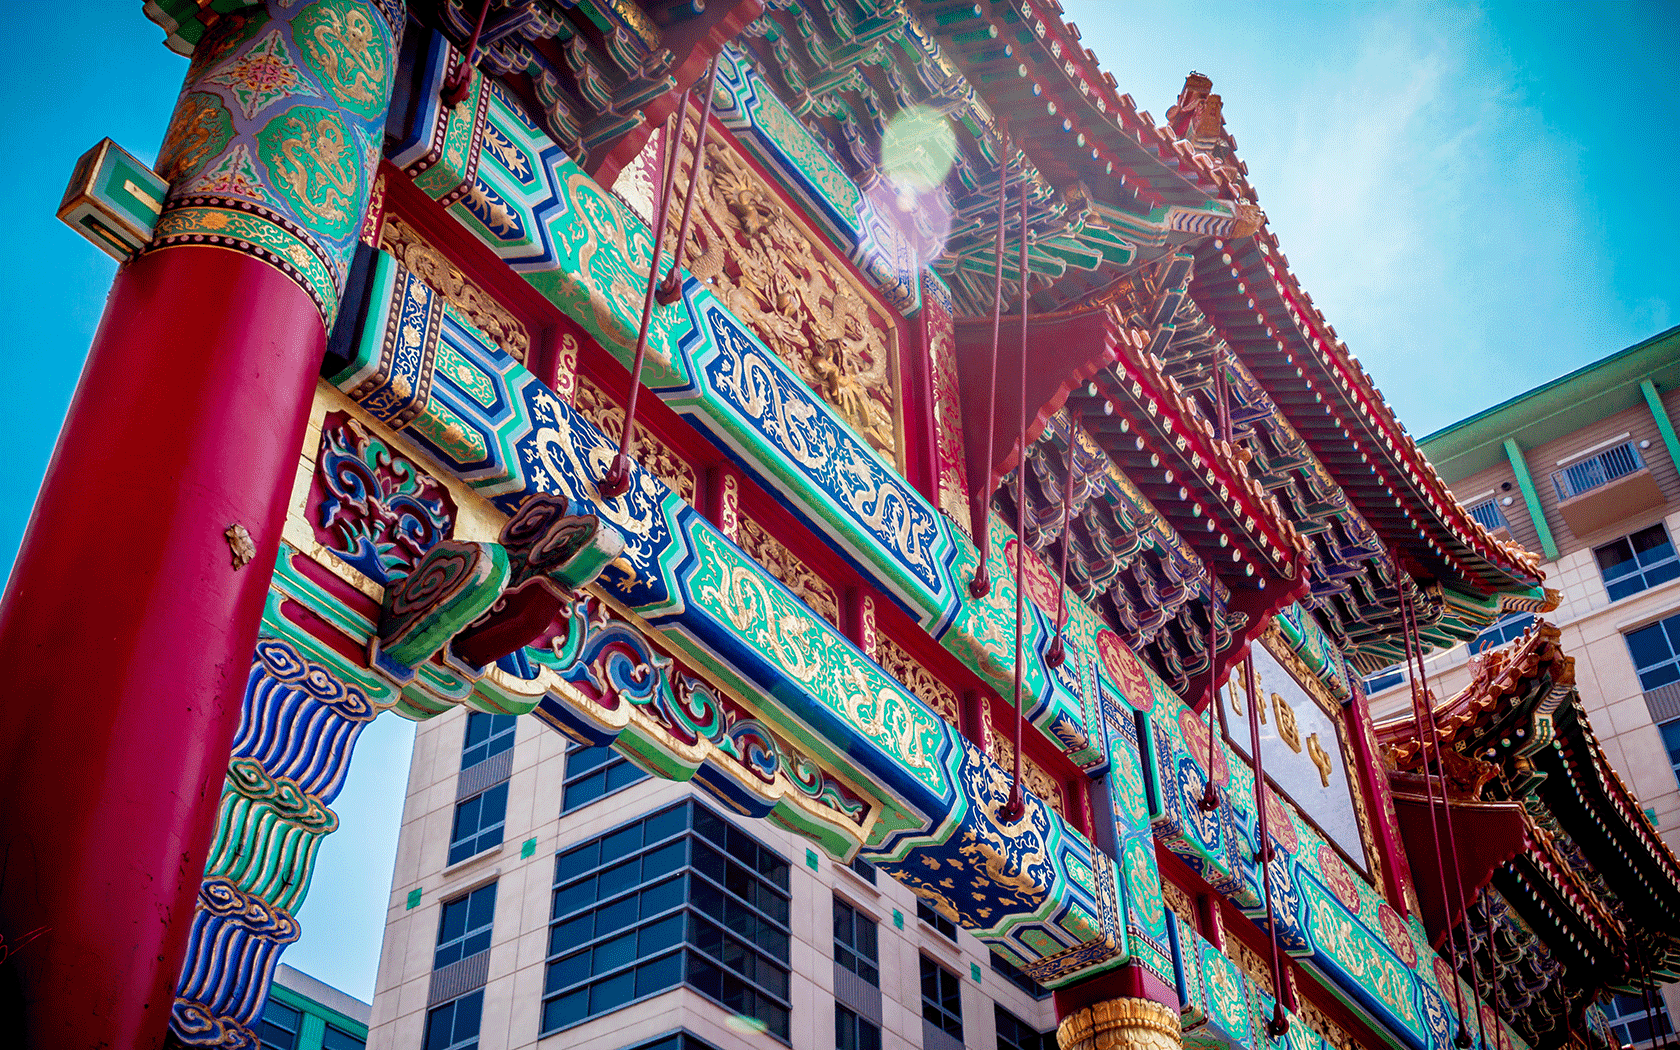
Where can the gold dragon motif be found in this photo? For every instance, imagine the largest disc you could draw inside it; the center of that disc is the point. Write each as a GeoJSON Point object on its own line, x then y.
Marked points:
{"type": "Point", "coordinates": [788, 289]}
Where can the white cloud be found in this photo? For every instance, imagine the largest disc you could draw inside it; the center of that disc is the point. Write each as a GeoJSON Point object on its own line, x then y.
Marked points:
{"type": "Point", "coordinates": [1419, 193]}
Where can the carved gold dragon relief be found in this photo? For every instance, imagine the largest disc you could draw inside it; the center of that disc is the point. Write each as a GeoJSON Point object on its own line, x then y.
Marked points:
{"type": "Point", "coordinates": [790, 569]}
{"type": "Point", "coordinates": [406, 244]}
{"type": "Point", "coordinates": [652, 453]}
{"type": "Point", "coordinates": [786, 289]}
{"type": "Point", "coordinates": [1033, 775]}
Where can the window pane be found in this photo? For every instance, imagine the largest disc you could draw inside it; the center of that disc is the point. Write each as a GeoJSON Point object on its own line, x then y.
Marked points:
{"type": "Point", "coordinates": [612, 993]}
{"type": "Point", "coordinates": [570, 898]}
{"type": "Point", "coordinates": [479, 823]}
{"type": "Point", "coordinates": [864, 868]}
{"type": "Point", "coordinates": [1646, 540]}
{"type": "Point", "coordinates": [1671, 740]}
{"type": "Point", "coordinates": [1664, 572]}
{"type": "Point", "coordinates": [632, 941]}
{"type": "Point", "coordinates": [663, 934]}
{"type": "Point", "coordinates": [1017, 977]}
{"type": "Point", "coordinates": [1648, 645]}
{"type": "Point", "coordinates": [1613, 556]}
{"type": "Point", "coordinates": [1662, 674]}
{"type": "Point", "coordinates": [662, 826]}
{"type": "Point", "coordinates": [465, 927]}
{"type": "Point", "coordinates": [279, 1026]}
{"type": "Point", "coordinates": [658, 975]}
{"type": "Point", "coordinates": [487, 736]}
{"type": "Point", "coordinates": [576, 861]}
{"type": "Point", "coordinates": [592, 773]}
{"type": "Point", "coordinates": [621, 843]}
{"type": "Point", "coordinates": [564, 973]}
{"type": "Point", "coordinates": [339, 1039]}
{"type": "Point", "coordinates": [662, 897]}
{"type": "Point", "coordinates": [454, 1025]}
{"type": "Point", "coordinates": [566, 1010]}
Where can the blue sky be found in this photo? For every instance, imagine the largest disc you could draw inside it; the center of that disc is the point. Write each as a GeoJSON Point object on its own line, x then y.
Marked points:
{"type": "Point", "coordinates": [1480, 198]}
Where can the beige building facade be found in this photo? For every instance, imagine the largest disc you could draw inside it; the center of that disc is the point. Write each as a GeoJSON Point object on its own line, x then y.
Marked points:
{"type": "Point", "coordinates": [611, 910]}
{"type": "Point", "coordinates": [1583, 470]}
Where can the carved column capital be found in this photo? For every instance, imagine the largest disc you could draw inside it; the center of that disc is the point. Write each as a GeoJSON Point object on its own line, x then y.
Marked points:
{"type": "Point", "coordinates": [1121, 1024]}
{"type": "Point", "coordinates": [275, 139]}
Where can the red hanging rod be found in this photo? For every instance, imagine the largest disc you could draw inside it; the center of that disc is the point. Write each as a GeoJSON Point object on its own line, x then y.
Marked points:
{"type": "Point", "coordinates": [1414, 660]}
{"type": "Point", "coordinates": [671, 288]}
{"type": "Point", "coordinates": [1057, 654]}
{"type": "Point", "coordinates": [1452, 837]}
{"type": "Point", "coordinates": [616, 481]}
{"type": "Point", "coordinates": [1013, 808]}
{"type": "Point", "coordinates": [1216, 714]}
{"type": "Point", "coordinates": [1210, 793]}
{"type": "Point", "coordinates": [1278, 1026]}
{"type": "Point", "coordinates": [460, 77]}
{"type": "Point", "coordinates": [981, 583]}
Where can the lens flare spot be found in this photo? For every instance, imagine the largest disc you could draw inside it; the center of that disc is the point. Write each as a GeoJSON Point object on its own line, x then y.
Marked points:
{"type": "Point", "coordinates": [918, 149]}
{"type": "Point", "coordinates": [744, 1025]}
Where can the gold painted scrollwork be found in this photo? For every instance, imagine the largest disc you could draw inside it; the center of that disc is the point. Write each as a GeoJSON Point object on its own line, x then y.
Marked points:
{"type": "Point", "coordinates": [1041, 784]}
{"type": "Point", "coordinates": [653, 453]}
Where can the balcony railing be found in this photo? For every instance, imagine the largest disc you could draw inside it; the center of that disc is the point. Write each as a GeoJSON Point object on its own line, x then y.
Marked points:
{"type": "Point", "coordinates": [1596, 470]}
{"type": "Point", "coordinates": [1487, 512]}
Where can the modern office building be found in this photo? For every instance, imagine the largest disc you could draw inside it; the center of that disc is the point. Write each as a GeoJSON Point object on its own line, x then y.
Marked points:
{"type": "Point", "coordinates": [303, 1013]}
{"type": "Point", "coordinates": [510, 929]}
{"type": "Point", "coordinates": [1582, 470]}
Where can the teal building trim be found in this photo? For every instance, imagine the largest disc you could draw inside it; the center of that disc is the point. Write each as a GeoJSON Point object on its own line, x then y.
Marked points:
{"type": "Point", "coordinates": [1653, 400]}
{"type": "Point", "coordinates": [1519, 467]}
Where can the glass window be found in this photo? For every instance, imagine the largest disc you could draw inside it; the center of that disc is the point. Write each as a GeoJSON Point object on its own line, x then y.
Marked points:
{"type": "Point", "coordinates": [1015, 976]}
{"type": "Point", "coordinates": [681, 896]}
{"type": "Point", "coordinates": [1388, 676]}
{"type": "Point", "coordinates": [464, 926]}
{"type": "Point", "coordinates": [925, 912]}
{"type": "Point", "coordinates": [941, 998]}
{"type": "Point", "coordinates": [1656, 652]}
{"type": "Point", "coordinates": [1637, 562]}
{"type": "Point", "coordinates": [278, 1029]}
{"type": "Point", "coordinates": [863, 868]}
{"type": "Point", "coordinates": [487, 736]}
{"type": "Point", "coordinates": [1632, 1022]}
{"type": "Point", "coordinates": [676, 1041]}
{"type": "Point", "coordinates": [1487, 512]}
{"type": "Point", "coordinates": [1506, 629]}
{"type": "Point", "coordinates": [454, 1025]}
{"type": "Point", "coordinates": [594, 773]}
{"type": "Point", "coordinates": [852, 1032]}
{"type": "Point", "coordinates": [479, 823]}
{"type": "Point", "coordinates": [1016, 1034]}
{"type": "Point", "coordinates": [338, 1039]}
{"type": "Point", "coordinates": [1671, 740]}
{"type": "Point", "coordinates": [855, 942]}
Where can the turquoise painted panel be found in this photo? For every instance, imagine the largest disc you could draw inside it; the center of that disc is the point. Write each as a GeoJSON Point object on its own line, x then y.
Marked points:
{"type": "Point", "coordinates": [1043, 892]}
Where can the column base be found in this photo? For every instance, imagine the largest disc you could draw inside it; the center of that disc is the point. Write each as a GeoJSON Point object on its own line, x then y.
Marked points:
{"type": "Point", "coordinates": [1121, 1024]}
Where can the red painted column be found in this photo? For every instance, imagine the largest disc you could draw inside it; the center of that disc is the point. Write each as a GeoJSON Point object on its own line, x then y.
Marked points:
{"type": "Point", "coordinates": [126, 633]}
{"type": "Point", "coordinates": [127, 627]}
